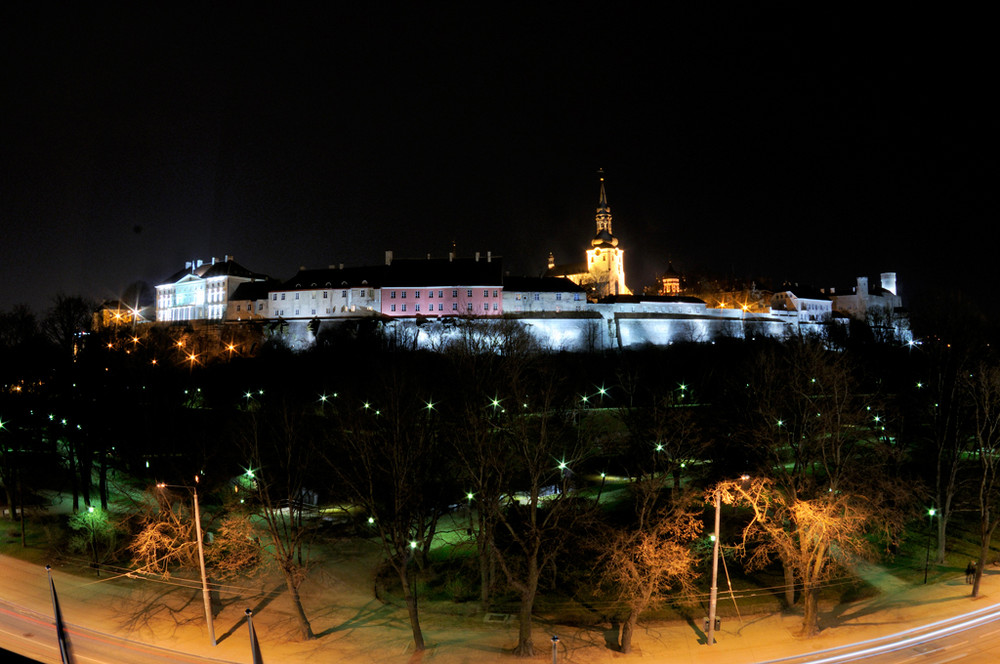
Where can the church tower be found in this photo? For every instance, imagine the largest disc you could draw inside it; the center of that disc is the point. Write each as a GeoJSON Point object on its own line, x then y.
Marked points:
{"type": "Point", "coordinates": [605, 259]}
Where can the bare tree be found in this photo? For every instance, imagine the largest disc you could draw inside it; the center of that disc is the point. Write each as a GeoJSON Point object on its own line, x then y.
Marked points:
{"type": "Point", "coordinates": [646, 563]}
{"type": "Point", "coordinates": [815, 537]}
{"type": "Point", "coordinates": [279, 441]}
{"type": "Point", "coordinates": [389, 459]}
{"type": "Point", "coordinates": [540, 509]}
{"type": "Point", "coordinates": [984, 390]}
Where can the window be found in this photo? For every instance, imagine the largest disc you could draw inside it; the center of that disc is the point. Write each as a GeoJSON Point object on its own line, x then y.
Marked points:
{"type": "Point", "coordinates": [392, 294]}
{"type": "Point", "coordinates": [237, 307]}
{"type": "Point", "coordinates": [440, 294]}
{"type": "Point", "coordinates": [282, 296]}
{"type": "Point", "coordinates": [260, 307]}
{"type": "Point", "coordinates": [454, 306]}
{"type": "Point", "coordinates": [469, 306]}
{"type": "Point", "coordinates": [440, 307]}
{"type": "Point", "coordinates": [486, 306]}
{"type": "Point", "coordinates": [404, 308]}
{"type": "Point", "coordinates": [392, 307]}
{"type": "Point", "coordinates": [313, 312]}
{"type": "Point", "coordinates": [296, 312]}
{"type": "Point", "coordinates": [495, 293]}
{"type": "Point", "coordinates": [296, 296]}
{"type": "Point", "coordinates": [486, 292]}
{"type": "Point", "coordinates": [576, 297]}
{"type": "Point", "coordinates": [325, 294]}
{"type": "Point", "coordinates": [558, 296]}
{"type": "Point", "coordinates": [468, 293]}
{"type": "Point", "coordinates": [430, 293]}
{"type": "Point", "coordinates": [343, 293]}
{"type": "Point", "coordinates": [494, 306]}
{"type": "Point", "coordinates": [454, 293]}
{"type": "Point", "coordinates": [403, 295]}
{"type": "Point", "coordinates": [537, 296]}
{"type": "Point", "coordinates": [416, 294]}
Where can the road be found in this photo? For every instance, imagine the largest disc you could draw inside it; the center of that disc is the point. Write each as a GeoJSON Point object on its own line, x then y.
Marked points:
{"type": "Point", "coordinates": [971, 638]}
{"type": "Point", "coordinates": [34, 635]}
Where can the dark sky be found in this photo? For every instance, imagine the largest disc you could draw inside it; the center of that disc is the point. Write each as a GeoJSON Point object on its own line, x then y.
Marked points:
{"type": "Point", "coordinates": [757, 139]}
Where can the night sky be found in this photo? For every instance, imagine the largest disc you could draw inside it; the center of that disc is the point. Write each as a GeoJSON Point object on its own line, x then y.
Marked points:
{"type": "Point", "coordinates": [754, 139]}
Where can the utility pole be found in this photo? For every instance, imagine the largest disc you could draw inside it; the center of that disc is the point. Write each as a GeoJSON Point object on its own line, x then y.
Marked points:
{"type": "Point", "coordinates": [714, 595]}
{"type": "Point", "coordinates": [201, 561]}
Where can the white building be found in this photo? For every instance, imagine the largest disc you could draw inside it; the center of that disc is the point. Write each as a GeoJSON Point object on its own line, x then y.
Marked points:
{"type": "Point", "coordinates": [542, 294]}
{"type": "Point", "coordinates": [201, 291]}
{"type": "Point", "coordinates": [329, 293]}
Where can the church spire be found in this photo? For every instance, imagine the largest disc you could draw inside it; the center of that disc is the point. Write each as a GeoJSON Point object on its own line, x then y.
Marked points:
{"type": "Point", "coordinates": [603, 216]}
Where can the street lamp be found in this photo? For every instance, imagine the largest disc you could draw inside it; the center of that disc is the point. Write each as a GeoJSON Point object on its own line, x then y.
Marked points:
{"type": "Point", "coordinates": [714, 593]}
{"type": "Point", "coordinates": [930, 527]}
{"type": "Point", "coordinates": [201, 556]}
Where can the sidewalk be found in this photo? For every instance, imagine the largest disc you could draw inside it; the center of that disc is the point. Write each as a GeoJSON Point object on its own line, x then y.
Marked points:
{"type": "Point", "coordinates": [354, 628]}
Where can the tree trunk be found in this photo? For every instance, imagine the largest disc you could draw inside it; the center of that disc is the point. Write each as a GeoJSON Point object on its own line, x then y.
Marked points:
{"type": "Point", "coordinates": [411, 607]}
{"type": "Point", "coordinates": [102, 480]}
{"type": "Point", "coordinates": [8, 489]}
{"type": "Point", "coordinates": [789, 584]}
{"type": "Point", "coordinates": [525, 646]}
{"type": "Point", "coordinates": [300, 613]}
{"type": "Point", "coordinates": [628, 629]}
{"type": "Point", "coordinates": [942, 527]}
{"type": "Point", "coordinates": [810, 617]}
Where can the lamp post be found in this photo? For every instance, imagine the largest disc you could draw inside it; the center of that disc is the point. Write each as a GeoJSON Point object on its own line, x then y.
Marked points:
{"type": "Point", "coordinates": [201, 556]}
{"type": "Point", "coordinates": [714, 593]}
{"type": "Point", "coordinates": [930, 528]}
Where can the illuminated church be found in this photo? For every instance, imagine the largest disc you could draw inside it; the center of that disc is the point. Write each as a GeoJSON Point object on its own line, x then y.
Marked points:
{"type": "Point", "coordinates": [603, 273]}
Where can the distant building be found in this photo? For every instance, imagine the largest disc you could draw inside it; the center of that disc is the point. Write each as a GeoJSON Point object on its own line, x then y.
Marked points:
{"type": "Point", "coordinates": [812, 307]}
{"type": "Point", "coordinates": [542, 294]}
{"type": "Point", "coordinates": [329, 293]}
{"type": "Point", "coordinates": [865, 301]}
{"type": "Point", "coordinates": [201, 291]}
{"type": "Point", "coordinates": [602, 274]}
{"type": "Point", "coordinates": [442, 286]}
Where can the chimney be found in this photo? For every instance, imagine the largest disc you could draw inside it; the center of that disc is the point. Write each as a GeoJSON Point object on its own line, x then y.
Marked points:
{"type": "Point", "coordinates": [451, 256]}
{"type": "Point", "coordinates": [340, 267]}
{"type": "Point", "coordinates": [862, 285]}
{"type": "Point", "coordinates": [388, 257]}
{"type": "Point", "coordinates": [428, 256]}
{"type": "Point", "coordinates": [489, 256]}
{"type": "Point", "coordinates": [213, 260]}
{"type": "Point", "coordinates": [552, 261]}
{"type": "Point", "coordinates": [477, 256]}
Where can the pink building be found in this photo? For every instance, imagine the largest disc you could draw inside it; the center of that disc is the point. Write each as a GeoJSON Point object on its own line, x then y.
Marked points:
{"type": "Point", "coordinates": [442, 287]}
